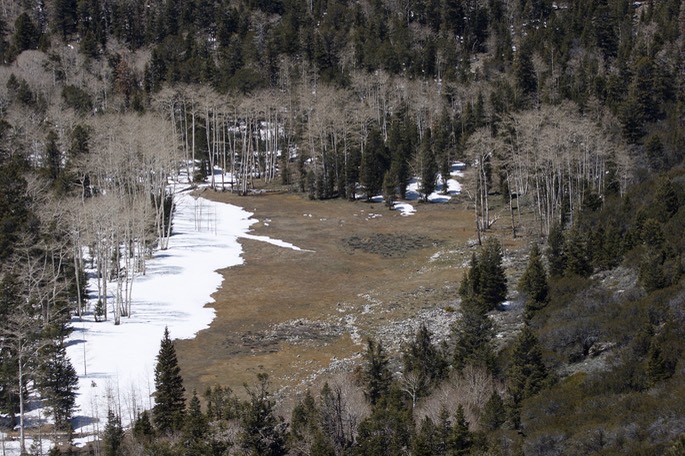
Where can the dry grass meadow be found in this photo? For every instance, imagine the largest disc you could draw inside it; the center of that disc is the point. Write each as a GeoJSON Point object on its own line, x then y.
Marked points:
{"type": "Point", "coordinates": [290, 313]}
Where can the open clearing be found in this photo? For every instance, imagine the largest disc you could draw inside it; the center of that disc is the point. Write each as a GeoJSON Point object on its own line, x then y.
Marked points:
{"type": "Point", "coordinates": [364, 270]}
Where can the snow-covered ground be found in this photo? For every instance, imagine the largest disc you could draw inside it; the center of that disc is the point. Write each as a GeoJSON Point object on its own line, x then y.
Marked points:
{"type": "Point", "coordinates": [438, 196]}
{"type": "Point", "coordinates": [115, 363]}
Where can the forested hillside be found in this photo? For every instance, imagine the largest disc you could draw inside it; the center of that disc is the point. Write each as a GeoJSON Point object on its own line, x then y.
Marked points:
{"type": "Point", "coordinates": [569, 114]}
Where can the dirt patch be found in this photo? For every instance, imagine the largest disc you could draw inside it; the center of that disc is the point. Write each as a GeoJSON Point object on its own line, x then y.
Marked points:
{"type": "Point", "coordinates": [298, 314]}
{"type": "Point", "coordinates": [389, 245]}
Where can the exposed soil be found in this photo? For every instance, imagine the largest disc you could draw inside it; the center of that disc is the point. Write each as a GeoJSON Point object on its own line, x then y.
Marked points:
{"type": "Point", "coordinates": [365, 271]}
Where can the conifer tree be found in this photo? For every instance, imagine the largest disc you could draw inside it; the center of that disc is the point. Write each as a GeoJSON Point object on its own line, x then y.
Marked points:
{"type": "Point", "coordinates": [665, 199]}
{"type": "Point", "coordinates": [195, 429]}
{"type": "Point", "coordinates": [429, 166]}
{"type": "Point", "coordinates": [53, 156]}
{"type": "Point", "coordinates": [424, 444]}
{"type": "Point", "coordinates": [169, 390]}
{"type": "Point", "coordinates": [376, 374]}
{"type": "Point", "coordinates": [533, 283]}
{"type": "Point", "coordinates": [527, 372]}
{"type": "Point", "coordinates": [470, 284]}
{"type": "Point", "coordinates": [389, 186]}
{"type": "Point", "coordinates": [142, 428]}
{"type": "Point", "coordinates": [59, 386]}
{"type": "Point", "coordinates": [424, 358]}
{"type": "Point", "coordinates": [494, 413]}
{"type": "Point", "coordinates": [460, 439]}
{"type": "Point", "coordinates": [262, 431]}
{"type": "Point", "coordinates": [113, 435]}
{"type": "Point", "coordinates": [578, 259]}
{"type": "Point", "coordinates": [556, 256]}
{"type": "Point", "coordinates": [26, 34]}
{"type": "Point", "coordinates": [474, 334]}
{"type": "Point", "coordinates": [374, 163]}
{"type": "Point", "coordinates": [389, 429]}
{"type": "Point", "coordinates": [493, 288]}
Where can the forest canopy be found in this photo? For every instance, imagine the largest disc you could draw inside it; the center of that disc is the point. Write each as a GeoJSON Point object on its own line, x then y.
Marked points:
{"type": "Point", "coordinates": [569, 115]}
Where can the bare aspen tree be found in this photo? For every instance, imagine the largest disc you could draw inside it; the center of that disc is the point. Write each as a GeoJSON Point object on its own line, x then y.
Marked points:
{"type": "Point", "coordinates": [482, 147]}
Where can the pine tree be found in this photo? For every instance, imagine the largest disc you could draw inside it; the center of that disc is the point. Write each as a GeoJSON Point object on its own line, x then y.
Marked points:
{"type": "Point", "coordinates": [389, 429]}
{"type": "Point", "coordinates": [470, 283]}
{"type": "Point", "coordinates": [262, 433]}
{"type": "Point", "coordinates": [424, 444]}
{"type": "Point", "coordinates": [169, 390]}
{"type": "Point", "coordinates": [59, 386]}
{"type": "Point", "coordinates": [665, 199]}
{"type": "Point", "coordinates": [654, 150]}
{"type": "Point", "coordinates": [374, 163]}
{"type": "Point", "coordinates": [429, 166]}
{"type": "Point", "coordinates": [493, 288]}
{"type": "Point", "coordinates": [389, 186]}
{"type": "Point", "coordinates": [494, 413]}
{"type": "Point", "coordinates": [195, 429]}
{"type": "Point", "coordinates": [460, 440]}
{"type": "Point", "coordinates": [26, 35]}
{"type": "Point", "coordinates": [474, 335]}
{"type": "Point", "coordinates": [556, 256]}
{"type": "Point", "coordinates": [113, 435]}
{"type": "Point", "coordinates": [578, 259]}
{"type": "Point", "coordinates": [524, 72]}
{"type": "Point", "coordinates": [533, 283]}
{"type": "Point", "coordinates": [53, 156]}
{"type": "Point", "coordinates": [142, 428]}
{"type": "Point", "coordinates": [423, 357]}
{"type": "Point", "coordinates": [527, 372]}
{"type": "Point", "coordinates": [376, 374]}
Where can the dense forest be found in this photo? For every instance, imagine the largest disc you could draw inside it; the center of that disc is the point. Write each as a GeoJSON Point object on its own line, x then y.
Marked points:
{"type": "Point", "coordinates": [570, 115]}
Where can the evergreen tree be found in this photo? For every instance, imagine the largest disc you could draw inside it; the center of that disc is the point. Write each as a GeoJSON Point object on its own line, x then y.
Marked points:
{"type": "Point", "coordinates": [195, 430]}
{"type": "Point", "coordinates": [474, 335]}
{"type": "Point", "coordinates": [533, 283]}
{"type": "Point", "coordinates": [59, 386]}
{"type": "Point", "coordinates": [53, 156]}
{"type": "Point", "coordinates": [494, 413]}
{"type": "Point", "coordinates": [374, 163]}
{"type": "Point", "coordinates": [389, 429]}
{"type": "Point", "coordinates": [113, 435]}
{"type": "Point", "coordinates": [376, 374]}
{"type": "Point", "coordinates": [389, 187]}
{"type": "Point", "coordinates": [654, 150]}
{"type": "Point", "coordinates": [169, 390]}
{"type": "Point", "coordinates": [556, 256]}
{"type": "Point", "coordinates": [26, 35]}
{"type": "Point", "coordinates": [493, 281]}
{"type": "Point", "coordinates": [222, 404]}
{"type": "Point", "coordinates": [666, 201]}
{"type": "Point", "coordinates": [527, 372]}
{"type": "Point", "coordinates": [142, 428]}
{"type": "Point", "coordinates": [524, 72]}
{"type": "Point", "coordinates": [423, 357]}
{"type": "Point", "coordinates": [578, 259]}
{"type": "Point", "coordinates": [429, 166]}
{"type": "Point", "coordinates": [470, 284]}
{"type": "Point", "coordinates": [425, 441]}
{"type": "Point", "coordinates": [65, 17]}
{"type": "Point", "coordinates": [460, 439]}
{"type": "Point", "coordinates": [262, 433]}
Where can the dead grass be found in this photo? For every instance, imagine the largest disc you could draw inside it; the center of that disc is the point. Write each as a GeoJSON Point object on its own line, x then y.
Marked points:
{"type": "Point", "coordinates": [334, 288]}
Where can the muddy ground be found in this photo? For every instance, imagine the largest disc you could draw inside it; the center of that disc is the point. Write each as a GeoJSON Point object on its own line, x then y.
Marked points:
{"type": "Point", "coordinates": [364, 271]}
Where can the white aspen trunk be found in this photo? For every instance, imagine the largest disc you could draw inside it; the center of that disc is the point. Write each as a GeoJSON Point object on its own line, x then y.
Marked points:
{"type": "Point", "coordinates": [210, 154]}
{"type": "Point", "coordinates": [22, 439]}
{"type": "Point", "coordinates": [77, 262]}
